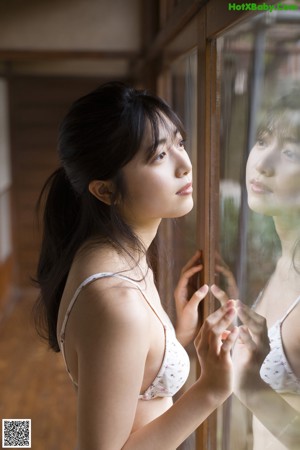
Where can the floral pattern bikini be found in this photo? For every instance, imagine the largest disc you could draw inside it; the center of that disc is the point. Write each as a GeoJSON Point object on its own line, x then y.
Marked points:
{"type": "Point", "coordinates": [175, 366]}
{"type": "Point", "coordinates": [276, 370]}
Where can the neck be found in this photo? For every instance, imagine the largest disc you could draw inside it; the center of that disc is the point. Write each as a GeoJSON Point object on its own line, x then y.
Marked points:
{"type": "Point", "coordinates": [287, 229]}
{"type": "Point", "coordinates": [146, 232]}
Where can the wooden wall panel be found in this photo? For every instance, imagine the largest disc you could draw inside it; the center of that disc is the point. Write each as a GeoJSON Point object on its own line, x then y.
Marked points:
{"type": "Point", "coordinates": [5, 281]}
{"type": "Point", "coordinates": [37, 106]}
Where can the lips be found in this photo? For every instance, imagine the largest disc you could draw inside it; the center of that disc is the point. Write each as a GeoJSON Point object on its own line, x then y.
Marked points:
{"type": "Point", "coordinates": [259, 188]}
{"type": "Point", "coordinates": [185, 190]}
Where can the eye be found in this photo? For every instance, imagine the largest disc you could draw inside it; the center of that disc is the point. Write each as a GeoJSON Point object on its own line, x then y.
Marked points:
{"type": "Point", "coordinates": [291, 154]}
{"type": "Point", "coordinates": [261, 143]}
{"type": "Point", "coordinates": [182, 144]}
{"type": "Point", "coordinates": [160, 156]}
{"type": "Point", "coordinates": [288, 153]}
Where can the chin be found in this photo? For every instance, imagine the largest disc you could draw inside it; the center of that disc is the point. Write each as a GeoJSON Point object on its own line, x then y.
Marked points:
{"type": "Point", "coordinates": [183, 211]}
{"type": "Point", "coordinates": [265, 208]}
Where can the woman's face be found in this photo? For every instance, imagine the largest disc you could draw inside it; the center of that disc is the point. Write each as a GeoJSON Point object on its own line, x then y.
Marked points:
{"type": "Point", "coordinates": [162, 186]}
{"type": "Point", "coordinates": [273, 175]}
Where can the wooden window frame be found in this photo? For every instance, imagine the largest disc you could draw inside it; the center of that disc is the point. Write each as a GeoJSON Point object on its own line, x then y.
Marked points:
{"type": "Point", "coordinates": [213, 19]}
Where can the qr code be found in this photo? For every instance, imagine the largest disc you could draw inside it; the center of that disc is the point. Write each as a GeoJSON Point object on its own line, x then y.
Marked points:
{"type": "Point", "coordinates": [16, 433]}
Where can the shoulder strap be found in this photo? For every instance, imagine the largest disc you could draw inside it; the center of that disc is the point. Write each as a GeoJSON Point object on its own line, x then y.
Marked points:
{"type": "Point", "coordinates": [97, 276]}
{"type": "Point", "coordinates": [290, 309]}
{"type": "Point", "coordinates": [256, 302]}
{"type": "Point", "coordinates": [86, 282]}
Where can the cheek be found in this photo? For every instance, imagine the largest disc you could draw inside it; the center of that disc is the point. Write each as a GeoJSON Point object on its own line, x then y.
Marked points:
{"type": "Point", "coordinates": [145, 189]}
{"type": "Point", "coordinates": [249, 169]}
{"type": "Point", "coordinates": [290, 193]}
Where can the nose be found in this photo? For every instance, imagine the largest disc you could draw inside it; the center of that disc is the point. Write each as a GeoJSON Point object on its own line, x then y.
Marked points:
{"type": "Point", "coordinates": [265, 164]}
{"type": "Point", "coordinates": [183, 164]}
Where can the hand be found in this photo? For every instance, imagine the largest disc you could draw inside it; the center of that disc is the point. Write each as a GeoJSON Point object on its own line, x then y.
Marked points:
{"type": "Point", "coordinates": [227, 277]}
{"type": "Point", "coordinates": [213, 344]}
{"type": "Point", "coordinates": [251, 347]}
{"type": "Point", "coordinates": [221, 296]}
{"type": "Point", "coordinates": [187, 299]}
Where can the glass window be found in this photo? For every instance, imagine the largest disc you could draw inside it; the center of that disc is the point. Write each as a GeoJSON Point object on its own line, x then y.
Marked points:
{"type": "Point", "coordinates": [258, 257]}
{"type": "Point", "coordinates": [178, 236]}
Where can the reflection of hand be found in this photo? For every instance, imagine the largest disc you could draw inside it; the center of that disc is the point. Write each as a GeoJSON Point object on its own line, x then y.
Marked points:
{"type": "Point", "coordinates": [230, 286]}
{"type": "Point", "coordinates": [187, 299]}
{"type": "Point", "coordinates": [219, 294]}
{"type": "Point", "coordinates": [251, 347]}
{"type": "Point", "coordinates": [213, 344]}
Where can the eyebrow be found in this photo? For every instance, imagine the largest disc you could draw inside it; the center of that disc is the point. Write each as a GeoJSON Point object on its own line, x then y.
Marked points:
{"type": "Point", "coordinates": [150, 151]}
{"type": "Point", "coordinates": [292, 140]}
{"type": "Point", "coordinates": [164, 139]}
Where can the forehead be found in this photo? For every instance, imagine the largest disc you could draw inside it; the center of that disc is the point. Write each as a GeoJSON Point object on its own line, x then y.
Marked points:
{"type": "Point", "coordinates": [284, 124]}
{"type": "Point", "coordinates": [164, 128]}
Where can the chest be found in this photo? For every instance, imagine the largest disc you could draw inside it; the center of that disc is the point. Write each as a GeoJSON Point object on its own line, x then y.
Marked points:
{"type": "Point", "coordinates": [277, 297]}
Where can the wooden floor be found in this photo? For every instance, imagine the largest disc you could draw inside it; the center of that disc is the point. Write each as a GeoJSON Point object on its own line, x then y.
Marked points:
{"type": "Point", "coordinates": [33, 381]}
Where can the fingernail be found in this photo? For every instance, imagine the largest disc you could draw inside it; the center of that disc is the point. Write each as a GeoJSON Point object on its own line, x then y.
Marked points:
{"type": "Point", "coordinates": [230, 312]}
{"type": "Point", "coordinates": [215, 287]}
{"type": "Point", "coordinates": [203, 288]}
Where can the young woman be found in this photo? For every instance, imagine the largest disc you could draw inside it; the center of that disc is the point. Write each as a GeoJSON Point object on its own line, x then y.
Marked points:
{"type": "Point", "coordinates": [123, 169]}
{"type": "Point", "coordinates": [270, 386]}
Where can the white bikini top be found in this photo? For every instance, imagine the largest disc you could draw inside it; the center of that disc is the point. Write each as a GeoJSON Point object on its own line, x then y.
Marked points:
{"type": "Point", "coordinates": [276, 370]}
{"type": "Point", "coordinates": [175, 366]}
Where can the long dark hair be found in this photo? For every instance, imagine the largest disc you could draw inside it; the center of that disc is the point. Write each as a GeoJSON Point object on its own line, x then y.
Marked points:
{"type": "Point", "coordinates": [100, 134]}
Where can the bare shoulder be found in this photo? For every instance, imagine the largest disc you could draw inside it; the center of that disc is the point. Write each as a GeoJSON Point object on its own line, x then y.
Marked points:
{"type": "Point", "coordinates": [114, 295]}
{"type": "Point", "coordinates": [107, 296]}
{"type": "Point", "coordinates": [108, 305]}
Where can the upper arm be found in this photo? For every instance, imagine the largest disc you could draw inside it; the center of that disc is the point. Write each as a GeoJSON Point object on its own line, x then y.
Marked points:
{"type": "Point", "coordinates": [112, 349]}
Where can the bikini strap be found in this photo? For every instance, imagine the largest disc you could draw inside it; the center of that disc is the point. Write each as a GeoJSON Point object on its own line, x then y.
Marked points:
{"type": "Point", "coordinates": [90, 280]}
{"type": "Point", "coordinates": [290, 309]}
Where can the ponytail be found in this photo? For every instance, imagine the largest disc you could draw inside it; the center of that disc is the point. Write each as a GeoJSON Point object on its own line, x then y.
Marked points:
{"type": "Point", "coordinates": [59, 244]}
{"type": "Point", "coordinates": [99, 135]}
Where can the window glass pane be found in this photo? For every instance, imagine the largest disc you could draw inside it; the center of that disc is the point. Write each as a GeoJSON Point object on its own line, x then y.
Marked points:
{"type": "Point", "coordinates": [258, 258]}
{"type": "Point", "coordinates": [178, 236]}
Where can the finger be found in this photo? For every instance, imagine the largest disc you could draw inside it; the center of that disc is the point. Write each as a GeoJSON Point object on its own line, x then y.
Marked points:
{"type": "Point", "coordinates": [226, 272]}
{"type": "Point", "coordinates": [185, 276]}
{"type": "Point", "coordinates": [198, 296]}
{"type": "Point", "coordinates": [213, 319]}
{"type": "Point", "coordinates": [219, 294]}
{"type": "Point", "coordinates": [225, 335]}
{"type": "Point", "coordinates": [194, 259]}
{"type": "Point", "coordinates": [219, 259]}
{"type": "Point", "coordinates": [223, 323]}
{"type": "Point", "coordinates": [246, 338]}
{"type": "Point", "coordinates": [229, 342]}
{"type": "Point", "coordinates": [214, 327]}
{"type": "Point", "coordinates": [255, 322]}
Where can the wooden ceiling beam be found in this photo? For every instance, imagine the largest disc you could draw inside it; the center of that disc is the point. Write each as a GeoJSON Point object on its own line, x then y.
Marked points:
{"type": "Point", "coordinates": [20, 55]}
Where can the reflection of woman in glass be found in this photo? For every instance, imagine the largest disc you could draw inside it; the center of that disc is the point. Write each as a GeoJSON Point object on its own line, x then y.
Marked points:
{"type": "Point", "coordinates": [124, 168]}
{"type": "Point", "coordinates": [273, 186]}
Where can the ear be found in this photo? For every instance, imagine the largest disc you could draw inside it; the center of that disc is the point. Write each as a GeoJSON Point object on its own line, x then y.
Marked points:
{"type": "Point", "coordinates": [102, 190]}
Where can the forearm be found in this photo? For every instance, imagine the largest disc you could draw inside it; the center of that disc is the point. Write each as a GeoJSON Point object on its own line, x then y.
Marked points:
{"type": "Point", "coordinates": [272, 411]}
{"type": "Point", "coordinates": [170, 429]}
{"type": "Point", "coordinates": [183, 337]}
